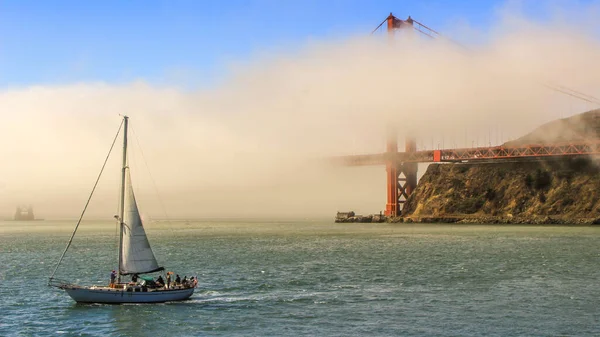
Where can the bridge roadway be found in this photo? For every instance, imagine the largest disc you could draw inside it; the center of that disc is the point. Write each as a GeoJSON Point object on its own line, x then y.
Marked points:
{"type": "Point", "coordinates": [532, 151]}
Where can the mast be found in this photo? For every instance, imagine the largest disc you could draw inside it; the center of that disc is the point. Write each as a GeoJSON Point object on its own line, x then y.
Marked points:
{"type": "Point", "coordinates": [122, 208]}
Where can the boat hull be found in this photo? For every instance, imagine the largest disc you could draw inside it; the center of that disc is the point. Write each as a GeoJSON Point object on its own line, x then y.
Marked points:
{"type": "Point", "coordinates": [107, 295]}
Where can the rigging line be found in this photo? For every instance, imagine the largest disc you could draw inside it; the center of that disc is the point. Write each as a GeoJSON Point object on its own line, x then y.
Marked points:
{"type": "Point", "coordinates": [162, 205]}
{"type": "Point", "coordinates": [86, 204]}
{"type": "Point", "coordinates": [116, 247]}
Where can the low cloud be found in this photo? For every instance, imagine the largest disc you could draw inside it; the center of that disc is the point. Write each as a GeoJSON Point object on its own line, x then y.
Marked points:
{"type": "Point", "coordinates": [250, 146]}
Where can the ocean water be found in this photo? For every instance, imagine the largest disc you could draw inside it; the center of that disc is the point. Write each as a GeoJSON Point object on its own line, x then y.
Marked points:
{"type": "Point", "coordinates": [314, 278]}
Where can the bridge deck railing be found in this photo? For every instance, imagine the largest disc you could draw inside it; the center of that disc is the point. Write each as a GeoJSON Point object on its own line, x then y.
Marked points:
{"type": "Point", "coordinates": [474, 154]}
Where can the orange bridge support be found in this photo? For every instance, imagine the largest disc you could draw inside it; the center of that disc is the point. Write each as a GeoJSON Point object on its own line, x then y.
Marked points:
{"type": "Point", "coordinates": [392, 169]}
{"type": "Point", "coordinates": [401, 177]}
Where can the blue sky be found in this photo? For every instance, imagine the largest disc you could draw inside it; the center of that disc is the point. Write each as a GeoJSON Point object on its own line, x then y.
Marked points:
{"type": "Point", "coordinates": [62, 42]}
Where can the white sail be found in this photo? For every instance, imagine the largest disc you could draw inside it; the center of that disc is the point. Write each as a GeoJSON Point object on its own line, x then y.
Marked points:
{"type": "Point", "coordinates": [137, 256]}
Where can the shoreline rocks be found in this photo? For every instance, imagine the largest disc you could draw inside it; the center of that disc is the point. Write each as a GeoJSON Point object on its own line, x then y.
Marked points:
{"type": "Point", "coordinates": [349, 217]}
{"type": "Point", "coordinates": [468, 219]}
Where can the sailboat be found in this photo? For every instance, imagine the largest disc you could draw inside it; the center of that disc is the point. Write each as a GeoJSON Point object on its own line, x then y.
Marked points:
{"type": "Point", "coordinates": [135, 257]}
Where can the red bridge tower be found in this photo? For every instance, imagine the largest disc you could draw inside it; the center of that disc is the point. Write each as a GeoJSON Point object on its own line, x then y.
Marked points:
{"type": "Point", "coordinates": [401, 176]}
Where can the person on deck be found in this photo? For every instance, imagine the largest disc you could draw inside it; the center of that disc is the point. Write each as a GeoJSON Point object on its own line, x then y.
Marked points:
{"type": "Point", "coordinates": [113, 276]}
{"type": "Point", "coordinates": [168, 280]}
{"type": "Point", "coordinates": [184, 281]}
{"type": "Point", "coordinates": [160, 281]}
{"type": "Point", "coordinates": [177, 280]}
{"type": "Point", "coordinates": [134, 278]}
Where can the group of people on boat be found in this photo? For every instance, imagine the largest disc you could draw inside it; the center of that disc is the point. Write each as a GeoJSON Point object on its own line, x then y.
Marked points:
{"type": "Point", "coordinates": [192, 282]}
{"type": "Point", "coordinates": [169, 284]}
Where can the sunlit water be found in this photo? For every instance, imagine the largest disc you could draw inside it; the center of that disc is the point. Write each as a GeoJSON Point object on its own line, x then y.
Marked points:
{"type": "Point", "coordinates": [260, 278]}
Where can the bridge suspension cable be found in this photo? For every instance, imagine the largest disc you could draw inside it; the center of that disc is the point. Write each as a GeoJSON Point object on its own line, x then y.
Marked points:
{"type": "Point", "coordinates": [431, 33]}
{"type": "Point", "coordinates": [573, 93]}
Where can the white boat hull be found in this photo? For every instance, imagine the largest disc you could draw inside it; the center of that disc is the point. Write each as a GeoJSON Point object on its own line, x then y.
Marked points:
{"type": "Point", "coordinates": [108, 295]}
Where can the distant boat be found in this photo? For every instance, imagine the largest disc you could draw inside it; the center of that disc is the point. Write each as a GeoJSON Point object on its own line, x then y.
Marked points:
{"type": "Point", "coordinates": [135, 258]}
{"type": "Point", "coordinates": [24, 213]}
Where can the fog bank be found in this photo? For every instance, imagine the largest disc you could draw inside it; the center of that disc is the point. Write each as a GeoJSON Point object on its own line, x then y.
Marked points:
{"type": "Point", "coordinates": [249, 147]}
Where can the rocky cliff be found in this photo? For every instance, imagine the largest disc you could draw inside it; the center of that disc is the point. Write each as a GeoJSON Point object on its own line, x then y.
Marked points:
{"type": "Point", "coordinates": [565, 191]}
{"type": "Point", "coordinates": [550, 191]}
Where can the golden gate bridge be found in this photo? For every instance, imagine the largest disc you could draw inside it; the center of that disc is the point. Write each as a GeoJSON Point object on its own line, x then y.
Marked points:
{"type": "Point", "coordinates": [401, 167]}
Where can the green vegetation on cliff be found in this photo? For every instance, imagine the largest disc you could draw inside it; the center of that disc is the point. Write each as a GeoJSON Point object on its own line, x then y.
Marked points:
{"type": "Point", "coordinates": [566, 189]}
{"type": "Point", "coordinates": [563, 190]}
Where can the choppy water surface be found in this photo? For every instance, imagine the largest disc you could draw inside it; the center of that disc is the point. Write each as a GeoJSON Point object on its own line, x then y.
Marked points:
{"type": "Point", "coordinates": [260, 278]}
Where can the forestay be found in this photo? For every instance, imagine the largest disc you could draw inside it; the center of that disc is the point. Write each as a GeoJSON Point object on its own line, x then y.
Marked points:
{"type": "Point", "coordinates": [137, 256]}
